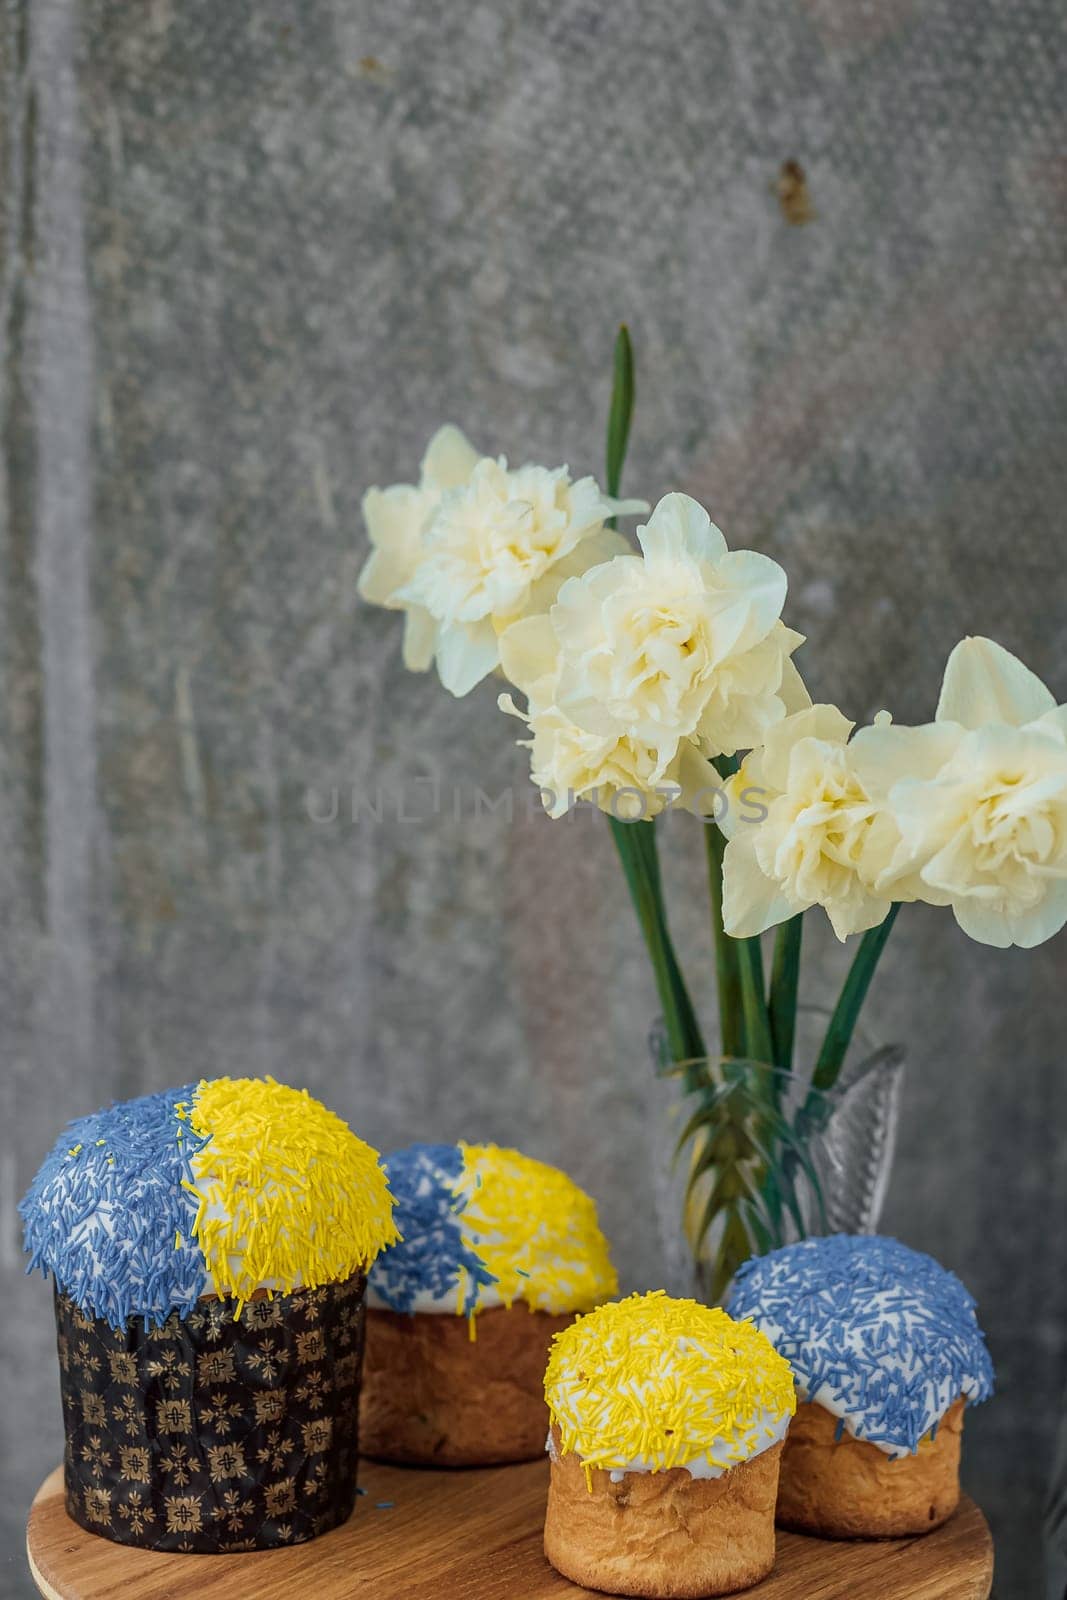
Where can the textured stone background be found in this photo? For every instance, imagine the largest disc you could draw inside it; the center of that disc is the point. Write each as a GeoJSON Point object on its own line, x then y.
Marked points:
{"type": "Point", "coordinates": [251, 255]}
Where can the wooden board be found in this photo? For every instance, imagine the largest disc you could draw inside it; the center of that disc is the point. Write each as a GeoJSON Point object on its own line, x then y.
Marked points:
{"type": "Point", "coordinates": [471, 1536]}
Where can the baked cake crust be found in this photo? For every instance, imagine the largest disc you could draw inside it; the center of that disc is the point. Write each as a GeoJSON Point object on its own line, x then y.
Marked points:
{"type": "Point", "coordinates": [852, 1490]}
{"type": "Point", "coordinates": [433, 1396]}
{"type": "Point", "coordinates": [663, 1533]}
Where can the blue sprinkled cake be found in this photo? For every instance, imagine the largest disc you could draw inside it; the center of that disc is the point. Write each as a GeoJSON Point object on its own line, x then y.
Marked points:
{"type": "Point", "coordinates": [886, 1351]}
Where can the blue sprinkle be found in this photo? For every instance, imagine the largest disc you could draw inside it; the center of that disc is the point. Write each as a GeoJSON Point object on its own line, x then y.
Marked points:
{"type": "Point", "coordinates": [360, 1489]}
{"type": "Point", "coordinates": [887, 1332]}
{"type": "Point", "coordinates": [431, 1253]}
{"type": "Point", "coordinates": [128, 1170]}
{"type": "Point", "coordinates": [384, 1505]}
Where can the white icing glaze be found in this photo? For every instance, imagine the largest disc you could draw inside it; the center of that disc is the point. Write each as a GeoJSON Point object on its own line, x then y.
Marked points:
{"type": "Point", "coordinates": [938, 1397]}
{"type": "Point", "coordinates": [768, 1429]}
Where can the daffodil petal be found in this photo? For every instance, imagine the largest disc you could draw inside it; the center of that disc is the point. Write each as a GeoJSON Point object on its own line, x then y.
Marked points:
{"type": "Point", "coordinates": [984, 683]}
{"type": "Point", "coordinates": [449, 460]}
{"type": "Point", "coordinates": [466, 653]}
{"type": "Point", "coordinates": [751, 902]}
{"type": "Point", "coordinates": [528, 653]}
{"type": "Point", "coordinates": [820, 721]}
{"type": "Point", "coordinates": [856, 915]}
{"type": "Point", "coordinates": [680, 525]}
{"type": "Point", "coordinates": [886, 752]}
{"type": "Point", "coordinates": [420, 639]}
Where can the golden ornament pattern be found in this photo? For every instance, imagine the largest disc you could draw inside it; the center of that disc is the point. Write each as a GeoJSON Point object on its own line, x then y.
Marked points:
{"type": "Point", "coordinates": [215, 1433]}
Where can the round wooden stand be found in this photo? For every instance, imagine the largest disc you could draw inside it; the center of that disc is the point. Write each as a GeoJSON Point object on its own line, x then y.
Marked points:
{"type": "Point", "coordinates": [419, 1535]}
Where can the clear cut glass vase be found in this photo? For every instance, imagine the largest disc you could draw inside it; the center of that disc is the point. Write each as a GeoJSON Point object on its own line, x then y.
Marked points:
{"type": "Point", "coordinates": [751, 1157]}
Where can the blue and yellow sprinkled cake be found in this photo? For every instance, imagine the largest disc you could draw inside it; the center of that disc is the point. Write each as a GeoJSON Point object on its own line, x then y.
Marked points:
{"type": "Point", "coordinates": [497, 1252]}
{"type": "Point", "coordinates": [887, 1352]}
{"type": "Point", "coordinates": [209, 1247]}
{"type": "Point", "coordinates": [667, 1426]}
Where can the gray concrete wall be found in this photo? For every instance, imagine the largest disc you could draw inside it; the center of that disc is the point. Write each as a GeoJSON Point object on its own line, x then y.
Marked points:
{"type": "Point", "coordinates": [251, 255]}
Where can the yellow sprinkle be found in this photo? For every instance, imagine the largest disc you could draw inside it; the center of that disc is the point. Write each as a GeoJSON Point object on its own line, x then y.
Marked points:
{"type": "Point", "coordinates": [301, 1198]}
{"type": "Point", "coordinates": [664, 1381]}
{"type": "Point", "coordinates": [177, 1241]}
{"type": "Point", "coordinates": [536, 1231]}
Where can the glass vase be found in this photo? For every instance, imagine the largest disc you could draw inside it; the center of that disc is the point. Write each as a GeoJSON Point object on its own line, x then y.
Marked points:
{"type": "Point", "coordinates": [750, 1157]}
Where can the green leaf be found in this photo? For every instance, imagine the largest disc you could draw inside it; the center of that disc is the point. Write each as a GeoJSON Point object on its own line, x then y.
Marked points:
{"type": "Point", "coordinates": [704, 1117]}
{"type": "Point", "coordinates": [728, 1189]}
{"type": "Point", "coordinates": [748, 1158]}
{"type": "Point", "coordinates": [734, 1248]}
{"type": "Point", "coordinates": [620, 412]}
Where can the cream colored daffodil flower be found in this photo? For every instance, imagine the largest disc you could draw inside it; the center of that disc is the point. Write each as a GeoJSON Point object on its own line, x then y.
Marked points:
{"type": "Point", "coordinates": [978, 800]}
{"type": "Point", "coordinates": [614, 770]}
{"type": "Point", "coordinates": [497, 549]}
{"type": "Point", "coordinates": [396, 519]}
{"type": "Point", "coordinates": [683, 641]}
{"type": "Point", "coordinates": [820, 841]}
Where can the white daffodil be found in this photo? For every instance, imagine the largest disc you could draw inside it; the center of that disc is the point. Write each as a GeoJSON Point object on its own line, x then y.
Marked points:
{"type": "Point", "coordinates": [682, 642]}
{"type": "Point", "coordinates": [612, 769]}
{"type": "Point", "coordinates": [497, 549]}
{"type": "Point", "coordinates": [978, 800]}
{"type": "Point", "coordinates": [396, 519]}
{"type": "Point", "coordinates": [818, 841]}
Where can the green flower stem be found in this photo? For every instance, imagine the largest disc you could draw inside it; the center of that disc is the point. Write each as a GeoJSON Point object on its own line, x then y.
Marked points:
{"type": "Point", "coordinates": [636, 841]}
{"type": "Point", "coordinates": [756, 1028]}
{"type": "Point", "coordinates": [727, 967]}
{"type": "Point", "coordinates": [785, 977]}
{"type": "Point", "coordinates": [742, 1007]}
{"type": "Point", "coordinates": [754, 1001]}
{"type": "Point", "coordinates": [636, 844]}
{"type": "Point", "coordinates": [839, 1032]}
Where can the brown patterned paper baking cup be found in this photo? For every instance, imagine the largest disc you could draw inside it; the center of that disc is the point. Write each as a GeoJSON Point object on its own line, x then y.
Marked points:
{"type": "Point", "coordinates": [215, 1434]}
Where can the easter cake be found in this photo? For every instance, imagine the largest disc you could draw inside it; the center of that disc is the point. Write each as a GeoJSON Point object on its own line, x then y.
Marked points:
{"type": "Point", "coordinates": [667, 1426]}
{"type": "Point", "coordinates": [498, 1252]}
{"type": "Point", "coordinates": [887, 1353]}
{"type": "Point", "coordinates": [209, 1248]}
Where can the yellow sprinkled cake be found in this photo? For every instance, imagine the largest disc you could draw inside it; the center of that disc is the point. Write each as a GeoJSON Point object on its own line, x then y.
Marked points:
{"type": "Point", "coordinates": [667, 1421]}
{"type": "Point", "coordinates": [498, 1253]}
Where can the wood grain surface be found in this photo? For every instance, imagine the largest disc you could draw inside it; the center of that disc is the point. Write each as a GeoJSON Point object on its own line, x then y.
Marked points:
{"type": "Point", "coordinates": [474, 1535]}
